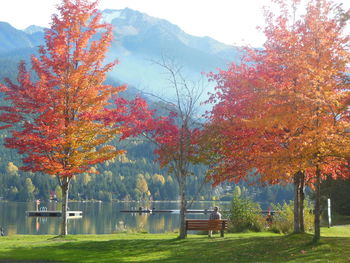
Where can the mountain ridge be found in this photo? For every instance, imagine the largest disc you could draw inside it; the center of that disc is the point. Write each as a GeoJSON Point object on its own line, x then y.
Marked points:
{"type": "Point", "coordinates": [139, 40]}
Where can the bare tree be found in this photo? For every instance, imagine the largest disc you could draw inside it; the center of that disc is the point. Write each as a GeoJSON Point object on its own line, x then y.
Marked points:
{"type": "Point", "coordinates": [182, 155]}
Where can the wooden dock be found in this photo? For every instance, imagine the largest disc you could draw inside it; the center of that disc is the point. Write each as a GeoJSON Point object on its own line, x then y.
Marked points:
{"type": "Point", "coordinates": [189, 211]}
{"type": "Point", "coordinates": [153, 211]}
{"type": "Point", "coordinates": [70, 214]}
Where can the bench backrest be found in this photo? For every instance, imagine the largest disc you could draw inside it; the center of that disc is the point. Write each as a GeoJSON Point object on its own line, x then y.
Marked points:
{"type": "Point", "coordinates": [206, 224]}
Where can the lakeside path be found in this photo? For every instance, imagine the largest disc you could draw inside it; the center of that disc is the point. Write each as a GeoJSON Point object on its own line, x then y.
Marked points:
{"type": "Point", "coordinates": [246, 247]}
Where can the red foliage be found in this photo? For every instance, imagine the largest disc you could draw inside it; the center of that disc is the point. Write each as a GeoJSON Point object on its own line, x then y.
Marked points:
{"type": "Point", "coordinates": [57, 122]}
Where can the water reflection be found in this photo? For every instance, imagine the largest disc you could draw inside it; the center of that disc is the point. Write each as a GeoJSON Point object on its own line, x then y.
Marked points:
{"type": "Point", "coordinates": [98, 218]}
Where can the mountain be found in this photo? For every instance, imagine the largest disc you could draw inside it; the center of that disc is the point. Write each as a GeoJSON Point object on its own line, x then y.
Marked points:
{"type": "Point", "coordinates": [139, 41]}
{"type": "Point", "coordinates": [17, 45]}
{"type": "Point", "coordinates": [13, 39]}
{"type": "Point", "coordinates": [33, 29]}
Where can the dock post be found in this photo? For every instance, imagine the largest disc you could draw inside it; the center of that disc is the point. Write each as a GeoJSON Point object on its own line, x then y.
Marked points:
{"type": "Point", "coordinates": [37, 204]}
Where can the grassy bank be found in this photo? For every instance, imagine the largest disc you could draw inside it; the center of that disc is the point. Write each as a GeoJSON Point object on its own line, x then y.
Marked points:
{"type": "Point", "coordinates": [248, 247]}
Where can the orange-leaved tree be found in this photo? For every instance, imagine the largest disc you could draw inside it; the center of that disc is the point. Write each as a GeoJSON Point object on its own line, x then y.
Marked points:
{"type": "Point", "coordinates": [288, 109]}
{"type": "Point", "coordinates": [305, 63]}
{"type": "Point", "coordinates": [58, 122]}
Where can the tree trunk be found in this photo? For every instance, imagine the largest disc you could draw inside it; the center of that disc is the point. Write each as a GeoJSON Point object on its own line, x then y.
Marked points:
{"type": "Point", "coordinates": [299, 197]}
{"type": "Point", "coordinates": [182, 188]}
{"type": "Point", "coordinates": [302, 200]}
{"type": "Point", "coordinates": [296, 181]}
{"type": "Point", "coordinates": [65, 189]}
{"type": "Point", "coordinates": [317, 234]}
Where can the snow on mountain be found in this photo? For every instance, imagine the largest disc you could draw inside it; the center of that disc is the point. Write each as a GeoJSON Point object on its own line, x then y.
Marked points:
{"type": "Point", "coordinates": [34, 29]}
{"type": "Point", "coordinates": [108, 15]}
{"type": "Point", "coordinates": [141, 39]}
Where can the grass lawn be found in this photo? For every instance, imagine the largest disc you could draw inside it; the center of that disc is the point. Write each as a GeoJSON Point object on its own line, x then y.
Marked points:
{"type": "Point", "coordinates": [247, 247]}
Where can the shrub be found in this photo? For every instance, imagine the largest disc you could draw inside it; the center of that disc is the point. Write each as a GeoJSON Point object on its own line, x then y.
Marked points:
{"type": "Point", "coordinates": [283, 219]}
{"type": "Point", "coordinates": [245, 215]}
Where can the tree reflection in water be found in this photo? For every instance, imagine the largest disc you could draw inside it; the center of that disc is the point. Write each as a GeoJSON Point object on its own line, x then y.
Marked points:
{"type": "Point", "coordinates": [98, 218]}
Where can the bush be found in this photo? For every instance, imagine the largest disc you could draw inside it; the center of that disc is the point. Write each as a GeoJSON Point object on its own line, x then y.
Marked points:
{"type": "Point", "coordinates": [283, 219]}
{"type": "Point", "coordinates": [245, 215]}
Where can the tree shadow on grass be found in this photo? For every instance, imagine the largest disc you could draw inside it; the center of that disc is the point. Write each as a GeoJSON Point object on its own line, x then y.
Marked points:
{"type": "Point", "coordinates": [297, 248]}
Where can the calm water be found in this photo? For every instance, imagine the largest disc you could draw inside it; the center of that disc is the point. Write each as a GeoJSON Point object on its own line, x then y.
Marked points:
{"type": "Point", "coordinates": [98, 218]}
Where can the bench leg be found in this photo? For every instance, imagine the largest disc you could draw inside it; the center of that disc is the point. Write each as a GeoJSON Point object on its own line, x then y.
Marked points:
{"type": "Point", "coordinates": [222, 233]}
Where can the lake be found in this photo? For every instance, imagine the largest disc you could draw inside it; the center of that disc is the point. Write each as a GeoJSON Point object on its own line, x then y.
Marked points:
{"type": "Point", "coordinates": [98, 217]}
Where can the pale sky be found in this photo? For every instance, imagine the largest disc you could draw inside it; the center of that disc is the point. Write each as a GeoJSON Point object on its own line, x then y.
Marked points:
{"type": "Point", "coordinates": [232, 22]}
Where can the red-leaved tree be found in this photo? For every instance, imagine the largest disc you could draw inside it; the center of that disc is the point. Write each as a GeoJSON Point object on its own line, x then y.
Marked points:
{"type": "Point", "coordinates": [60, 121]}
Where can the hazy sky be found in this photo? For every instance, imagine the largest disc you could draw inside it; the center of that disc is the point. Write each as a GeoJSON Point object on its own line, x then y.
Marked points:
{"type": "Point", "coordinates": [229, 21]}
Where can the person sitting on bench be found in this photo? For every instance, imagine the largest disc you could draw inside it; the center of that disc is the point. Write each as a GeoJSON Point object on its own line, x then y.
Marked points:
{"type": "Point", "coordinates": [215, 215]}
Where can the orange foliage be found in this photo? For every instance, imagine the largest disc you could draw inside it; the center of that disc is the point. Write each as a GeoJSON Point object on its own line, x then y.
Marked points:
{"type": "Point", "coordinates": [284, 109]}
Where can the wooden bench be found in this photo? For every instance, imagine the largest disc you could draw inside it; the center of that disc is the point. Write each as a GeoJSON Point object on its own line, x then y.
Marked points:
{"type": "Point", "coordinates": [206, 225]}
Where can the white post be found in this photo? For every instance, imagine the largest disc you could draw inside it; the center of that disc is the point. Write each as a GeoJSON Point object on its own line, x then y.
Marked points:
{"type": "Point", "coordinates": [329, 213]}
{"type": "Point", "coordinates": [37, 204]}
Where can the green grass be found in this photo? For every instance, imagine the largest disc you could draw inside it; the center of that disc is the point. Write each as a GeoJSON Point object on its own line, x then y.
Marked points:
{"type": "Point", "coordinates": [248, 247]}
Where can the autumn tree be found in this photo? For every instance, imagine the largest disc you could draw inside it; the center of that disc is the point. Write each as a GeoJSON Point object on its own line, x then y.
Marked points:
{"type": "Point", "coordinates": [29, 189]}
{"type": "Point", "coordinates": [11, 168]}
{"type": "Point", "coordinates": [308, 60]}
{"type": "Point", "coordinates": [177, 135]}
{"type": "Point", "coordinates": [283, 111]}
{"type": "Point", "coordinates": [58, 122]}
{"type": "Point", "coordinates": [142, 186]}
